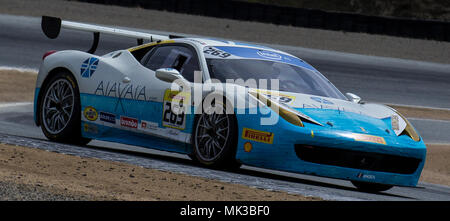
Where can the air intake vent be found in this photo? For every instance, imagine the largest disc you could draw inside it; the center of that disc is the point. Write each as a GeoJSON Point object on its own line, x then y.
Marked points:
{"type": "Point", "coordinates": [357, 159]}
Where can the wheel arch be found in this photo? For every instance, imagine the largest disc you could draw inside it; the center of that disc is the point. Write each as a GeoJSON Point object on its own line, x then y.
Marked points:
{"type": "Point", "coordinates": [227, 101]}
{"type": "Point", "coordinates": [49, 76]}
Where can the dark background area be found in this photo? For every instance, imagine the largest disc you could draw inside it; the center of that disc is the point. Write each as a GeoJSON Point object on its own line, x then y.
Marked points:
{"type": "Point", "coordinates": [418, 9]}
{"type": "Point", "coordinates": [248, 10]}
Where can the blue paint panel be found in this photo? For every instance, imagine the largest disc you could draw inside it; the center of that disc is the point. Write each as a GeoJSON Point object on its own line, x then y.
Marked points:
{"type": "Point", "coordinates": [281, 154]}
{"type": "Point", "coordinates": [139, 109]}
{"type": "Point", "coordinates": [264, 55]}
{"type": "Point", "coordinates": [349, 121]}
{"type": "Point", "coordinates": [35, 106]}
{"type": "Point", "coordinates": [110, 134]}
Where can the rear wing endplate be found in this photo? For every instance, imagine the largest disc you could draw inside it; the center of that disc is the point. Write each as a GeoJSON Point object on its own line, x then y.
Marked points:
{"type": "Point", "coordinates": [51, 26]}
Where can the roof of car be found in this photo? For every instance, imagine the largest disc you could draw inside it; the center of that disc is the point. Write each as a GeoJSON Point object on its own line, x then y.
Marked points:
{"type": "Point", "coordinates": [239, 49]}
{"type": "Point", "coordinates": [223, 42]}
{"type": "Point", "coordinates": [248, 50]}
{"type": "Point", "coordinates": [210, 42]}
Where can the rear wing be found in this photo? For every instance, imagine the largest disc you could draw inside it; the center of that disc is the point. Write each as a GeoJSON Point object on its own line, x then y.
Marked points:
{"type": "Point", "coordinates": [51, 26]}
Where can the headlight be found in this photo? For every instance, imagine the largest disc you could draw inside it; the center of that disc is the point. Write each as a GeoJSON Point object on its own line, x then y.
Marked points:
{"type": "Point", "coordinates": [290, 115]}
{"type": "Point", "coordinates": [409, 130]}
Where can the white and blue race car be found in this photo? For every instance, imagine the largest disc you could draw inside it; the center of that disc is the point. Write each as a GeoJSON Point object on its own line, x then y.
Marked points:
{"type": "Point", "coordinates": [210, 99]}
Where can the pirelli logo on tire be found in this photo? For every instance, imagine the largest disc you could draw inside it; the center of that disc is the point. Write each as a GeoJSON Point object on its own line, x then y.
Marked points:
{"type": "Point", "coordinates": [257, 135]}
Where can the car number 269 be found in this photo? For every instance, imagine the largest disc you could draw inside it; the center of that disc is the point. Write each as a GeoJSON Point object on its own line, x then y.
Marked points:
{"type": "Point", "coordinates": [173, 118]}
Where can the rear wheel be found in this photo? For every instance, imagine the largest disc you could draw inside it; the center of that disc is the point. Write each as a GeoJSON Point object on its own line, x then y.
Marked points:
{"type": "Point", "coordinates": [371, 187]}
{"type": "Point", "coordinates": [60, 110]}
{"type": "Point", "coordinates": [215, 138]}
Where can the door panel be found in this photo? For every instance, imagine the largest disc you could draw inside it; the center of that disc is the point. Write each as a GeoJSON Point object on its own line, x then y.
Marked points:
{"type": "Point", "coordinates": [183, 58]}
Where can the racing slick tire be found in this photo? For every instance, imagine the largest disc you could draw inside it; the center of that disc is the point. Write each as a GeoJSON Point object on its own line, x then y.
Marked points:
{"type": "Point", "coordinates": [60, 110]}
{"type": "Point", "coordinates": [214, 139]}
{"type": "Point", "coordinates": [371, 187]}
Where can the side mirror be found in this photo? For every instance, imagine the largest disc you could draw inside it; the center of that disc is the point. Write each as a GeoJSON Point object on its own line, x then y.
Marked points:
{"type": "Point", "coordinates": [168, 74]}
{"type": "Point", "coordinates": [353, 98]}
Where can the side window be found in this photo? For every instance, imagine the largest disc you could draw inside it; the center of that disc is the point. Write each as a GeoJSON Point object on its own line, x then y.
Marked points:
{"type": "Point", "coordinates": [181, 58]}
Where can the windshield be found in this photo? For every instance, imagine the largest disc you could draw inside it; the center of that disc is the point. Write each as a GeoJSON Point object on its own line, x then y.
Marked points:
{"type": "Point", "coordinates": [292, 78]}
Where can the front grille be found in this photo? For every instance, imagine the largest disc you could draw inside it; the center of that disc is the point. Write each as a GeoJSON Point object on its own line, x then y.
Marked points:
{"type": "Point", "coordinates": [357, 159]}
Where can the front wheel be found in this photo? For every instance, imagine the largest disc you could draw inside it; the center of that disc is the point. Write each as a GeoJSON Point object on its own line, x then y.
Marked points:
{"type": "Point", "coordinates": [214, 138]}
{"type": "Point", "coordinates": [60, 110]}
{"type": "Point", "coordinates": [371, 187]}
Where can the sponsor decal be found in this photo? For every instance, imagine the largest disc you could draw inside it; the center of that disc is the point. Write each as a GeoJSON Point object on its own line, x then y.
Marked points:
{"type": "Point", "coordinates": [369, 138]}
{"type": "Point", "coordinates": [269, 55]}
{"type": "Point", "coordinates": [394, 122]}
{"type": "Point", "coordinates": [257, 135]}
{"type": "Point", "coordinates": [90, 113]}
{"type": "Point", "coordinates": [90, 128]}
{"type": "Point", "coordinates": [153, 128]}
{"type": "Point", "coordinates": [248, 147]}
{"type": "Point", "coordinates": [148, 126]}
{"type": "Point", "coordinates": [107, 117]}
{"type": "Point", "coordinates": [88, 67]}
{"type": "Point", "coordinates": [173, 132]}
{"type": "Point", "coordinates": [174, 109]}
{"type": "Point", "coordinates": [128, 122]}
{"type": "Point", "coordinates": [281, 98]}
{"type": "Point", "coordinates": [119, 90]}
{"type": "Point", "coordinates": [365, 176]}
{"type": "Point", "coordinates": [321, 100]}
{"type": "Point", "coordinates": [216, 52]}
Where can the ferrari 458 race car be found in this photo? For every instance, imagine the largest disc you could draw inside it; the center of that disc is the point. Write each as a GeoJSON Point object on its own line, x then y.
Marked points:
{"type": "Point", "coordinates": [210, 99]}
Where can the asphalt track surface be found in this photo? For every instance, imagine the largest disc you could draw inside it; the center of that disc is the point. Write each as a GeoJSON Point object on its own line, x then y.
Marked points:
{"type": "Point", "coordinates": [376, 79]}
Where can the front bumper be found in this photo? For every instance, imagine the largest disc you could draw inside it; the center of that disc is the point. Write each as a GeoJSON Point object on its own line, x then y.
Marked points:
{"type": "Point", "coordinates": [399, 162]}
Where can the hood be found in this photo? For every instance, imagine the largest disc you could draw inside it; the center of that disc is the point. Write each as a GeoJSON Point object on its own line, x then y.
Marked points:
{"type": "Point", "coordinates": [342, 114]}
{"type": "Point", "coordinates": [348, 121]}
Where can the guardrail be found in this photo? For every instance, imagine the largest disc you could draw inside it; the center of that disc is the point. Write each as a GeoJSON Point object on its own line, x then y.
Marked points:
{"type": "Point", "coordinates": [310, 18]}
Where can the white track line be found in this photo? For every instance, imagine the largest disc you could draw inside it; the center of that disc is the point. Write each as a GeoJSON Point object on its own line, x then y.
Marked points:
{"type": "Point", "coordinates": [14, 104]}
{"type": "Point", "coordinates": [418, 106]}
{"type": "Point", "coordinates": [427, 119]}
{"type": "Point", "coordinates": [21, 69]}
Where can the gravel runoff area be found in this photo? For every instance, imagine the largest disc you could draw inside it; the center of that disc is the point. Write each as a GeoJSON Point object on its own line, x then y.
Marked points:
{"type": "Point", "coordinates": [13, 191]}
{"type": "Point", "coordinates": [359, 43]}
{"type": "Point", "coordinates": [16, 85]}
{"type": "Point", "coordinates": [34, 174]}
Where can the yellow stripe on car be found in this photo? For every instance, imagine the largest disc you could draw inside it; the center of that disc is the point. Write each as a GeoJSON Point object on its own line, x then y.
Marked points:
{"type": "Point", "coordinates": [150, 44]}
